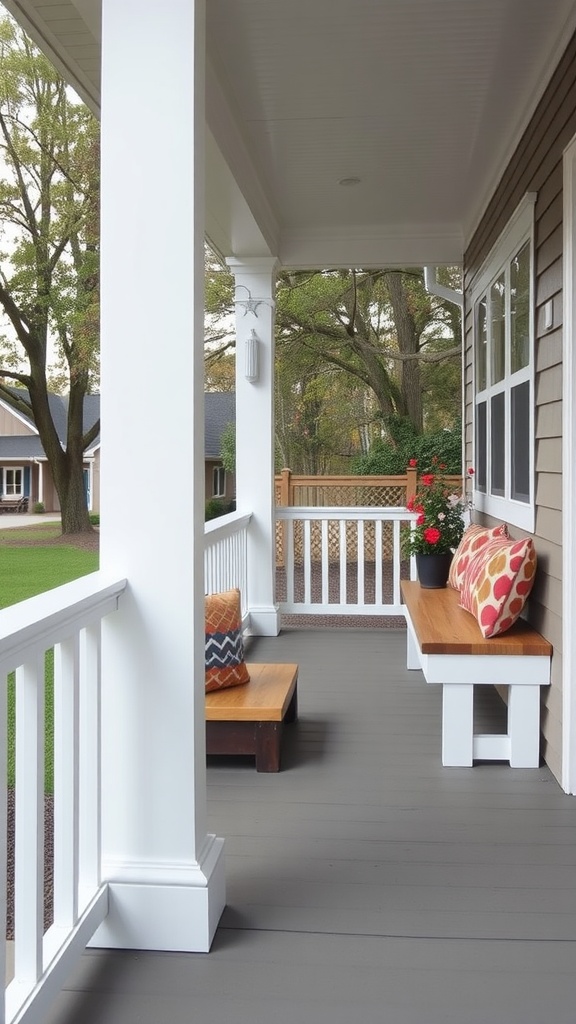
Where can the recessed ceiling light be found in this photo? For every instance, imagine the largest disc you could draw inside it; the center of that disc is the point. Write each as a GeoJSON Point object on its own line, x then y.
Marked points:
{"type": "Point", "coordinates": [349, 181]}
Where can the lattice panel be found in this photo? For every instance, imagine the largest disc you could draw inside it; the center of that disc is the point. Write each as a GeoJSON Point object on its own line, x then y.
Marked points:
{"type": "Point", "coordinates": [334, 541]}
{"type": "Point", "coordinates": [349, 496]}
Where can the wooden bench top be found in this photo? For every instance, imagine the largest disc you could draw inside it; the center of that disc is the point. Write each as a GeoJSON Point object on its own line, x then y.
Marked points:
{"type": "Point", "coordinates": [443, 627]}
{"type": "Point", "coordinates": [264, 699]}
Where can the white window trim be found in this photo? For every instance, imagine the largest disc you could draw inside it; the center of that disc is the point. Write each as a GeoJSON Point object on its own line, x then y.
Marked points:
{"type": "Point", "coordinates": [520, 229]}
{"type": "Point", "coordinates": [13, 469]}
{"type": "Point", "coordinates": [216, 471]}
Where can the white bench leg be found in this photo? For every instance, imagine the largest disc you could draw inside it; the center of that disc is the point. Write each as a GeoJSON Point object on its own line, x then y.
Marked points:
{"type": "Point", "coordinates": [457, 725]}
{"type": "Point", "coordinates": [524, 726]}
{"type": "Point", "coordinates": [412, 651]}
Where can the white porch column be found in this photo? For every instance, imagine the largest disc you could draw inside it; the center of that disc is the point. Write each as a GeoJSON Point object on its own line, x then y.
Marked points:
{"type": "Point", "coordinates": [255, 303]}
{"type": "Point", "coordinates": [166, 873]}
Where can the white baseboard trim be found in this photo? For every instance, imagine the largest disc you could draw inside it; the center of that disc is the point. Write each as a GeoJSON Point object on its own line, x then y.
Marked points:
{"type": "Point", "coordinates": [160, 915]}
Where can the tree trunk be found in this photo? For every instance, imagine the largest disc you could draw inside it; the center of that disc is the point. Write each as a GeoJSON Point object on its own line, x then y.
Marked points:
{"type": "Point", "coordinates": [408, 343]}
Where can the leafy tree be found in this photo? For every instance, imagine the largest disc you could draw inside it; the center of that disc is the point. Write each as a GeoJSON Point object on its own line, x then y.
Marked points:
{"type": "Point", "coordinates": [379, 326]}
{"type": "Point", "coordinates": [356, 351]}
{"type": "Point", "coordinates": [49, 275]}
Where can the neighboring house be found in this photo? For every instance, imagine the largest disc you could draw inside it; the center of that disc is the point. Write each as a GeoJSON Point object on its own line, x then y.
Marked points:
{"type": "Point", "coordinates": [219, 411]}
{"type": "Point", "coordinates": [25, 471]}
{"type": "Point", "coordinates": [24, 468]}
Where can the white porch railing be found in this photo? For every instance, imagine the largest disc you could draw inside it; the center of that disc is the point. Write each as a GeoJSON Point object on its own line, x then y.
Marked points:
{"type": "Point", "coordinates": [226, 557]}
{"type": "Point", "coordinates": [67, 619]}
{"type": "Point", "coordinates": [340, 561]}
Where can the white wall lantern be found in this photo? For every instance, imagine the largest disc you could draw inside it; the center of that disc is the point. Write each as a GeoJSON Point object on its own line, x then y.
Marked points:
{"type": "Point", "coordinates": [251, 368]}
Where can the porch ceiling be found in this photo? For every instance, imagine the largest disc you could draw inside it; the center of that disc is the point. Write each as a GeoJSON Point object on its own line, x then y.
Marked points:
{"type": "Point", "coordinates": [422, 100]}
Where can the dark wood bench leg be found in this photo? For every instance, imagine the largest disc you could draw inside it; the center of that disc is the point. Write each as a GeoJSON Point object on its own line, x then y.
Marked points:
{"type": "Point", "coordinates": [268, 735]}
{"type": "Point", "coordinates": [292, 710]}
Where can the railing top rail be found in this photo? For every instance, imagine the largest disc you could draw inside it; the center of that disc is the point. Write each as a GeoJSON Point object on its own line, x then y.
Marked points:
{"type": "Point", "coordinates": [344, 481]}
{"type": "Point", "coordinates": [349, 513]}
{"type": "Point", "coordinates": [226, 526]}
{"type": "Point", "coordinates": [47, 618]}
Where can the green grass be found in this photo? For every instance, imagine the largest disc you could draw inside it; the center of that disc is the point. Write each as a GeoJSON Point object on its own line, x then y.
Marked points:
{"type": "Point", "coordinates": [24, 572]}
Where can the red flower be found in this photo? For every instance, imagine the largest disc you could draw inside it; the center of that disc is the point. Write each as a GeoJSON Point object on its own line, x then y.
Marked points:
{"type": "Point", "coordinates": [421, 520]}
{"type": "Point", "coordinates": [413, 462]}
{"type": "Point", "coordinates": [431, 535]}
{"type": "Point", "coordinates": [427, 479]}
{"type": "Point", "coordinates": [410, 504]}
{"type": "Point", "coordinates": [470, 471]}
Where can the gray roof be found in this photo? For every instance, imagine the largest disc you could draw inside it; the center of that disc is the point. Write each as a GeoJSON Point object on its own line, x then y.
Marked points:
{"type": "Point", "coordinates": [26, 446]}
{"type": "Point", "coordinates": [219, 411]}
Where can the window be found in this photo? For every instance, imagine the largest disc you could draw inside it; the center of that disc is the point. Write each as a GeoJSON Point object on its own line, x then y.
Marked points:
{"type": "Point", "coordinates": [13, 479]}
{"type": "Point", "coordinates": [218, 482]}
{"type": "Point", "coordinates": [504, 375]}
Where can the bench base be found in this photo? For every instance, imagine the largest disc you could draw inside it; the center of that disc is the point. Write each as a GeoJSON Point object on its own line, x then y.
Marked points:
{"type": "Point", "coordinates": [519, 660]}
{"type": "Point", "coordinates": [249, 723]}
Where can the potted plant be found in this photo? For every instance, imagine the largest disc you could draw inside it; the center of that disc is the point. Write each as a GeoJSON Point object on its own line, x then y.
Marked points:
{"type": "Point", "coordinates": [439, 526]}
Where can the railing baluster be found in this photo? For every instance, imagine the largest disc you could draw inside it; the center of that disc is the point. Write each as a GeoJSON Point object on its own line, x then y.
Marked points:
{"type": "Point", "coordinates": [325, 562]}
{"type": "Point", "coordinates": [89, 840]}
{"type": "Point", "coordinates": [379, 561]}
{"type": "Point", "coordinates": [307, 555]}
{"type": "Point", "coordinates": [360, 555]}
{"type": "Point", "coordinates": [396, 560]}
{"type": "Point", "coordinates": [343, 554]}
{"type": "Point", "coordinates": [29, 824]}
{"type": "Point", "coordinates": [289, 562]}
{"type": "Point", "coordinates": [66, 786]}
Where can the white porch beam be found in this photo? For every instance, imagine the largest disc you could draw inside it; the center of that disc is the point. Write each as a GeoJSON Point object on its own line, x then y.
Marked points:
{"type": "Point", "coordinates": [254, 280]}
{"type": "Point", "coordinates": [165, 872]}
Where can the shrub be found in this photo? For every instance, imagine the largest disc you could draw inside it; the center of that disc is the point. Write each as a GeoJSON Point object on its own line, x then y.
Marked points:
{"type": "Point", "coordinates": [38, 507]}
{"type": "Point", "coordinates": [218, 507]}
{"type": "Point", "coordinates": [391, 457]}
{"type": "Point", "coordinates": [94, 518]}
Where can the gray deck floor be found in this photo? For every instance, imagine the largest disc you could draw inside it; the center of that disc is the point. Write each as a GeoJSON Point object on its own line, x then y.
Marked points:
{"type": "Point", "coordinates": [366, 883]}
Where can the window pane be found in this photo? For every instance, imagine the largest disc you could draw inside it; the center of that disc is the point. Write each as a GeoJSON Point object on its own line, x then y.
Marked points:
{"type": "Point", "coordinates": [480, 453]}
{"type": "Point", "coordinates": [497, 445]}
{"type": "Point", "coordinates": [520, 309]}
{"type": "Point", "coordinates": [481, 345]}
{"type": "Point", "coordinates": [498, 328]}
{"type": "Point", "coordinates": [520, 417]}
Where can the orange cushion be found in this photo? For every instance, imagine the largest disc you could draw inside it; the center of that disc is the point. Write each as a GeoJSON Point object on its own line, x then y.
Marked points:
{"type": "Point", "coordinates": [473, 539]}
{"type": "Point", "coordinates": [225, 664]}
{"type": "Point", "coordinates": [497, 582]}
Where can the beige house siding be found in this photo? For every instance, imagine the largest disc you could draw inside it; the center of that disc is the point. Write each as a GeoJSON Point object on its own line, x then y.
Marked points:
{"type": "Point", "coordinates": [537, 167]}
{"type": "Point", "coordinates": [11, 425]}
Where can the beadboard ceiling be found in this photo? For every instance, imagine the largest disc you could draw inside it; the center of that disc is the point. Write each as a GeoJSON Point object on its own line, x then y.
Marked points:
{"type": "Point", "coordinates": [422, 100]}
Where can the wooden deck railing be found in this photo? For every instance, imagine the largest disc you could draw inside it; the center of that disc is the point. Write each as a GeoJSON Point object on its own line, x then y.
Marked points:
{"type": "Point", "coordinates": [67, 619]}
{"type": "Point", "coordinates": [342, 561]}
{"type": "Point", "coordinates": [225, 556]}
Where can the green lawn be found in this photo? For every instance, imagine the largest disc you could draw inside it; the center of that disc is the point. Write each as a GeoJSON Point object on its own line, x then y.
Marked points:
{"type": "Point", "coordinates": [24, 572]}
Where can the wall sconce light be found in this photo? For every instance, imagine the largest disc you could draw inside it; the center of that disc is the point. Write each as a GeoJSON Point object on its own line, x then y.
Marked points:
{"type": "Point", "coordinates": [251, 368]}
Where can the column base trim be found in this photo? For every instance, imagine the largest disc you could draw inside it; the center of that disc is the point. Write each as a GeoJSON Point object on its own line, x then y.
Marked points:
{"type": "Point", "coordinates": [264, 621]}
{"type": "Point", "coordinates": [178, 918]}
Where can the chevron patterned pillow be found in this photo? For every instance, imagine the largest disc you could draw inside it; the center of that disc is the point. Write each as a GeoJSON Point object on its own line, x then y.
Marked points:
{"type": "Point", "coordinates": [225, 664]}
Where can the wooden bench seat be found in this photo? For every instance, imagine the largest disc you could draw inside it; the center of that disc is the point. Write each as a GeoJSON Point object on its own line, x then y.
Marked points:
{"type": "Point", "coordinates": [445, 642]}
{"type": "Point", "coordinates": [249, 719]}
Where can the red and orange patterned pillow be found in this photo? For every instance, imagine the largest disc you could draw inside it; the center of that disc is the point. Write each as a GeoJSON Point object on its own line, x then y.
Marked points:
{"type": "Point", "coordinates": [497, 582]}
{"type": "Point", "coordinates": [473, 539]}
{"type": "Point", "coordinates": [225, 665]}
